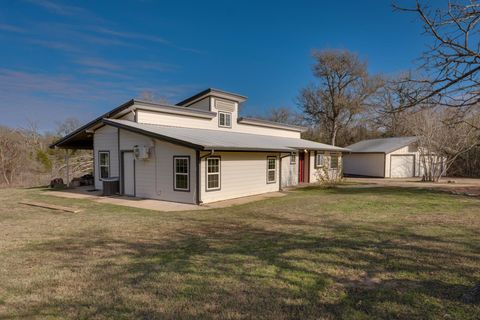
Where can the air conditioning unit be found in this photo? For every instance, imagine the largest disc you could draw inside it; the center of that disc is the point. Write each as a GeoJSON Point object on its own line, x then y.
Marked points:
{"type": "Point", "coordinates": [141, 152]}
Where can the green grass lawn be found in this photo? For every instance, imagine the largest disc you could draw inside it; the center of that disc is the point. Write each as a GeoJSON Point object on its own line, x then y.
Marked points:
{"type": "Point", "coordinates": [366, 253]}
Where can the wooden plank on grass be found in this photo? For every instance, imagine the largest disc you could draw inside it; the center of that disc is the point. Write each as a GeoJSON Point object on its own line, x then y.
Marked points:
{"type": "Point", "coordinates": [50, 206]}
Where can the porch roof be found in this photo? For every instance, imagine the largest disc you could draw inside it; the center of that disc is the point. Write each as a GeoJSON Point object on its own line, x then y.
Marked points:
{"type": "Point", "coordinates": [204, 139]}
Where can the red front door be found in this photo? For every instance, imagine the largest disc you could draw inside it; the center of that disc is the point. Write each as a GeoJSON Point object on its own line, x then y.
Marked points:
{"type": "Point", "coordinates": [301, 165]}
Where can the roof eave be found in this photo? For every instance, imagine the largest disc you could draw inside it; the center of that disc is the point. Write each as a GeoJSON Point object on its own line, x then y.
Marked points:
{"type": "Point", "coordinates": [92, 123]}
{"type": "Point", "coordinates": [153, 135]}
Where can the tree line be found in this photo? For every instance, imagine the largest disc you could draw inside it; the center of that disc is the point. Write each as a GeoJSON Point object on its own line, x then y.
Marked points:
{"type": "Point", "coordinates": [438, 102]}
{"type": "Point", "coordinates": [26, 159]}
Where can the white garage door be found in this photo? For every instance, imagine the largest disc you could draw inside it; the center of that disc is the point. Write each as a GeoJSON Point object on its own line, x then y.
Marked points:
{"type": "Point", "coordinates": [402, 166]}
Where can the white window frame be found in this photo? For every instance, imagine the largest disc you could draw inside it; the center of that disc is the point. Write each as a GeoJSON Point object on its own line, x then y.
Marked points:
{"type": "Point", "coordinates": [100, 165]}
{"type": "Point", "coordinates": [269, 170]}
{"type": "Point", "coordinates": [293, 158]}
{"type": "Point", "coordinates": [334, 155]}
{"type": "Point", "coordinates": [208, 174]}
{"type": "Point", "coordinates": [319, 164]}
{"type": "Point", "coordinates": [175, 173]}
{"type": "Point", "coordinates": [225, 116]}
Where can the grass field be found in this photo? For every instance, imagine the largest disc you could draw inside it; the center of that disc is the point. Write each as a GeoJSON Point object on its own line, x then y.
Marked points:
{"type": "Point", "coordinates": [349, 253]}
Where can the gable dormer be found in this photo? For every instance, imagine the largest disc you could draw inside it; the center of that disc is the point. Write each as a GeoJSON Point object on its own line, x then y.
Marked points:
{"type": "Point", "coordinates": [213, 100]}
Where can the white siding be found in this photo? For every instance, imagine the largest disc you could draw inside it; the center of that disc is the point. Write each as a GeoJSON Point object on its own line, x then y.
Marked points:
{"type": "Point", "coordinates": [175, 120]}
{"type": "Point", "coordinates": [364, 164]}
{"type": "Point", "coordinates": [154, 177]}
{"type": "Point", "coordinates": [203, 104]}
{"type": "Point", "coordinates": [105, 139]}
{"type": "Point", "coordinates": [289, 172]}
{"type": "Point", "coordinates": [152, 117]}
{"type": "Point", "coordinates": [129, 116]}
{"type": "Point", "coordinates": [316, 172]}
{"type": "Point", "coordinates": [242, 174]}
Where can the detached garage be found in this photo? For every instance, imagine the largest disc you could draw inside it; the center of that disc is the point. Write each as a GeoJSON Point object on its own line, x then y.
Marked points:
{"type": "Point", "coordinates": [386, 158]}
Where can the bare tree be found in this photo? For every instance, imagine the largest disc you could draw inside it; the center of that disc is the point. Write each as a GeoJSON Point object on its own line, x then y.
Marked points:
{"type": "Point", "coordinates": [452, 62]}
{"type": "Point", "coordinates": [341, 92]}
{"type": "Point", "coordinates": [67, 126]}
{"type": "Point", "coordinates": [284, 115]}
{"type": "Point", "coordinates": [150, 96]}
{"type": "Point", "coordinates": [391, 105]}
{"type": "Point", "coordinates": [443, 135]}
{"type": "Point", "coordinates": [12, 154]}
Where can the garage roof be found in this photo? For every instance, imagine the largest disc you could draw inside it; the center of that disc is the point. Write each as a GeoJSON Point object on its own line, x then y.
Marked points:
{"type": "Point", "coordinates": [385, 145]}
{"type": "Point", "coordinates": [204, 139]}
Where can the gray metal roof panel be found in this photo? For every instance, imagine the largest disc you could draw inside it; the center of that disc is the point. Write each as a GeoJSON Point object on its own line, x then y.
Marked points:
{"type": "Point", "coordinates": [384, 145]}
{"type": "Point", "coordinates": [221, 140]}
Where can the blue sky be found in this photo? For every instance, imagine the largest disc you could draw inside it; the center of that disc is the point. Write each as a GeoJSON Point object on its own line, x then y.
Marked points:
{"type": "Point", "coordinates": [79, 59]}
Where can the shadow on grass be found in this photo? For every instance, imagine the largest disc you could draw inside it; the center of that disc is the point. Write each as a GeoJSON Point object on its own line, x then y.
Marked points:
{"type": "Point", "coordinates": [242, 271]}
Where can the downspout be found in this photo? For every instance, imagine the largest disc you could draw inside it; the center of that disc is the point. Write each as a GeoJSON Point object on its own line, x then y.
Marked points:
{"type": "Point", "coordinates": [197, 155]}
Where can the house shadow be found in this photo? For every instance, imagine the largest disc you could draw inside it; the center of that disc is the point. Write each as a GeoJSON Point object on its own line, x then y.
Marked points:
{"type": "Point", "coordinates": [245, 271]}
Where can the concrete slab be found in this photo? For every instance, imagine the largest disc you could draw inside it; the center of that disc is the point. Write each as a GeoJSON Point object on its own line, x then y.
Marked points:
{"type": "Point", "coordinates": [244, 200]}
{"type": "Point", "coordinates": [158, 205]}
{"type": "Point", "coordinates": [149, 204]}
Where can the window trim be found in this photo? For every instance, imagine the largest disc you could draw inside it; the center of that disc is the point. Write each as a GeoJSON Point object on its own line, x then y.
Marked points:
{"type": "Point", "coordinates": [175, 174]}
{"type": "Point", "coordinates": [100, 165]}
{"type": "Point", "coordinates": [219, 174]}
{"type": "Point", "coordinates": [317, 165]}
{"type": "Point", "coordinates": [268, 170]}
{"type": "Point", "coordinates": [293, 158]}
{"type": "Point", "coordinates": [330, 162]}
{"type": "Point", "coordinates": [225, 114]}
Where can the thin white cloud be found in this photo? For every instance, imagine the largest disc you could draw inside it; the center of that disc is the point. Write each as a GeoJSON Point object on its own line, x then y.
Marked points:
{"type": "Point", "coordinates": [57, 45]}
{"type": "Point", "coordinates": [49, 98]}
{"type": "Point", "coordinates": [57, 8]}
{"type": "Point", "coordinates": [131, 35]}
{"type": "Point", "coordinates": [144, 37]}
{"type": "Point", "coordinates": [11, 28]}
{"type": "Point", "coordinates": [155, 66]}
{"type": "Point", "coordinates": [98, 63]}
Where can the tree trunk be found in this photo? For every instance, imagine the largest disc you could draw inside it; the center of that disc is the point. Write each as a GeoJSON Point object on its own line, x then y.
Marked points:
{"type": "Point", "coordinates": [333, 135]}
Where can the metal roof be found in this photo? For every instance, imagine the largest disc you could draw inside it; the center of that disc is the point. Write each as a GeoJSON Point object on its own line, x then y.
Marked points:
{"type": "Point", "coordinates": [211, 91]}
{"type": "Point", "coordinates": [385, 145]}
{"type": "Point", "coordinates": [204, 139]}
{"type": "Point", "coordinates": [80, 139]}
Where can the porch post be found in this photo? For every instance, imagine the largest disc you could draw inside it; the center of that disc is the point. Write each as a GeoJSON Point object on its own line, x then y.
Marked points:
{"type": "Point", "coordinates": [68, 167]}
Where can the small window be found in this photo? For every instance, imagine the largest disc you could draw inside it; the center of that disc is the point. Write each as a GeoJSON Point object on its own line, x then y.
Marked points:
{"type": "Point", "coordinates": [334, 161]}
{"type": "Point", "coordinates": [213, 173]}
{"type": "Point", "coordinates": [225, 119]}
{"type": "Point", "coordinates": [104, 164]}
{"type": "Point", "coordinates": [182, 173]}
{"type": "Point", "coordinates": [319, 159]}
{"type": "Point", "coordinates": [293, 158]}
{"type": "Point", "coordinates": [271, 169]}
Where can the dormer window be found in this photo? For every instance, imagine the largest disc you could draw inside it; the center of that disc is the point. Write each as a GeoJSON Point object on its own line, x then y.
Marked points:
{"type": "Point", "coordinates": [225, 119]}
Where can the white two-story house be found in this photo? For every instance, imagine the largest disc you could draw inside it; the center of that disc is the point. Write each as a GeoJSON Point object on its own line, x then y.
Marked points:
{"type": "Point", "coordinates": [199, 150]}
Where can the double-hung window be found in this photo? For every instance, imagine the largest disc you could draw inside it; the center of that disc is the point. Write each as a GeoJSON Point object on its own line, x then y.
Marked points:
{"type": "Point", "coordinates": [104, 164]}
{"type": "Point", "coordinates": [225, 119]}
{"type": "Point", "coordinates": [213, 173]}
{"type": "Point", "coordinates": [319, 159]}
{"type": "Point", "coordinates": [182, 173]}
{"type": "Point", "coordinates": [334, 161]}
{"type": "Point", "coordinates": [271, 169]}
